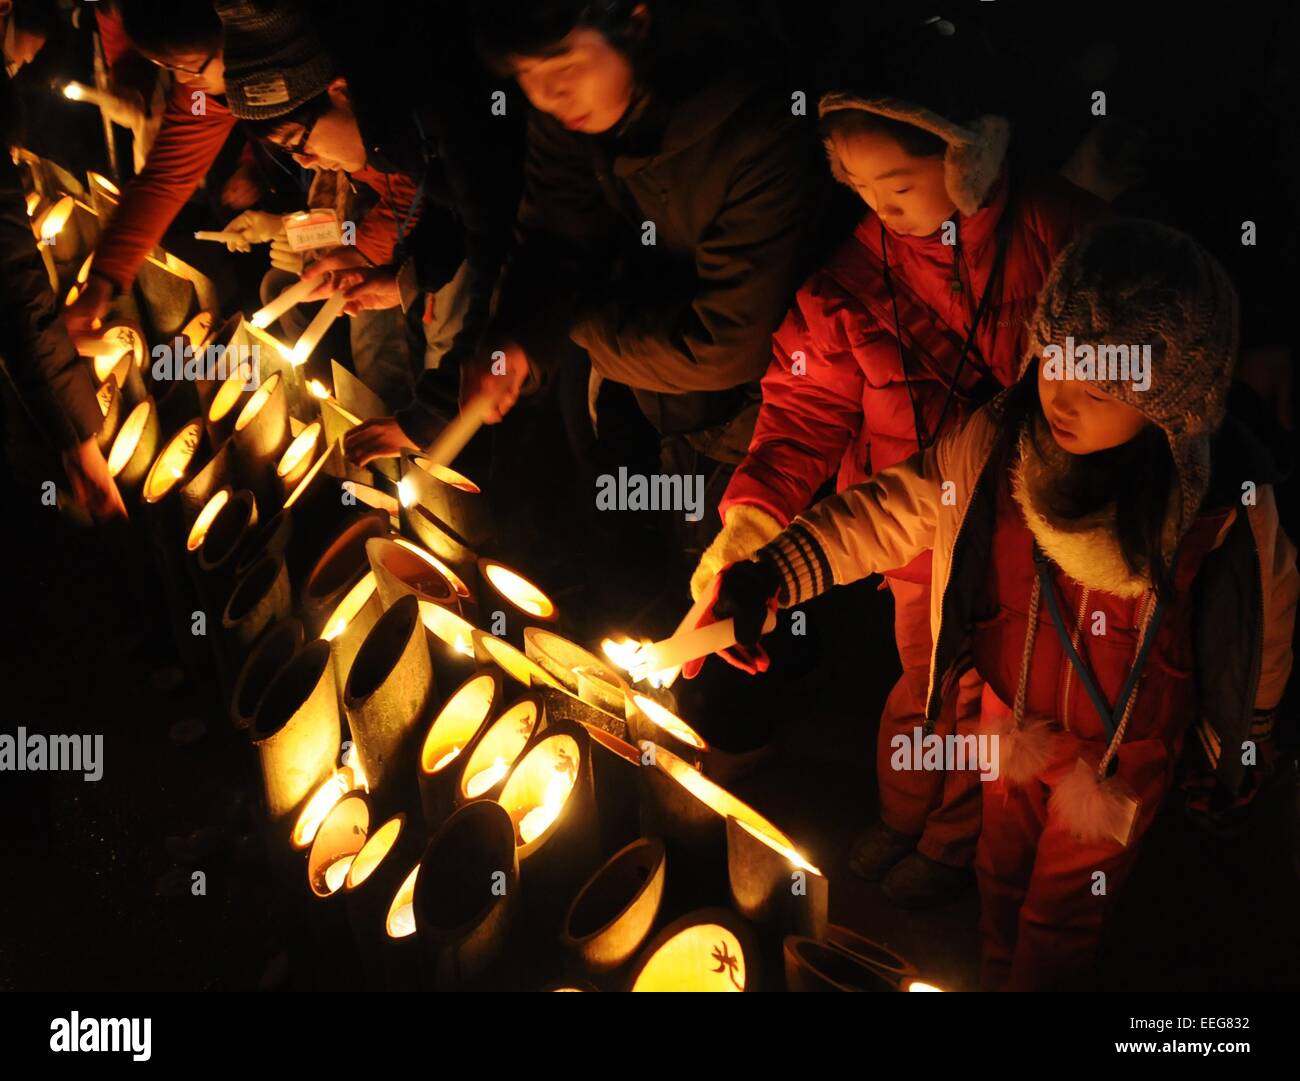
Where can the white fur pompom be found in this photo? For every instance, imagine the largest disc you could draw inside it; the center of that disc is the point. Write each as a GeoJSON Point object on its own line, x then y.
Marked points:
{"type": "Point", "coordinates": [1024, 752]}
{"type": "Point", "coordinates": [1094, 811]}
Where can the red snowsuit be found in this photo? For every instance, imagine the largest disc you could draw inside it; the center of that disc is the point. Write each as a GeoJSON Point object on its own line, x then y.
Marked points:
{"type": "Point", "coordinates": [836, 403]}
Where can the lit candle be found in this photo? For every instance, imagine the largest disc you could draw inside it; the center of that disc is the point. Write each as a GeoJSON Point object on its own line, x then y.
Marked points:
{"type": "Point", "coordinates": [687, 646]}
{"type": "Point", "coordinates": [221, 236]}
{"type": "Point", "coordinates": [446, 758]}
{"type": "Point", "coordinates": [75, 91]}
{"type": "Point", "coordinates": [485, 779]}
{"type": "Point", "coordinates": [535, 822]}
{"type": "Point", "coordinates": [337, 872]}
{"type": "Point", "coordinates": [306, 345]}
{"type": "Point", "coordinates": [295, 294]}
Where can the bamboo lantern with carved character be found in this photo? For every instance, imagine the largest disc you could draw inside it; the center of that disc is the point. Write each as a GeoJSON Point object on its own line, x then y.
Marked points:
{"type": "Point", "coordinates": [448, 744]}
{"type": "Point", "coordinates": [488, 763]}
{"type": "Point", "coordinates": [389, 689]}
{"type": "Point", "coordinates": [260, 437]}
{"type": "Point", "coordinates": [711, 949]}
{"type": "Point", "coordinates": [614, 912]}
{"type": "Point", "coordinates": [467, 898]}
{"type": "Point", "coordinates": [341, 836]}
{"type": "Point", "coordinates": [109, 398]}
{"type": "Point", "coordinates": [134, 448]}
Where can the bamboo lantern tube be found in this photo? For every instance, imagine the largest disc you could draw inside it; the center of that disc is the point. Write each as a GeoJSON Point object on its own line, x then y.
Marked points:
{"type": "Point", "coordinates": [875, 955]}
{"type": "Point", "coordinates": [123, 372]}
{"type": "Point", "coordinates": [681, 803]}
{"type": "Point", "coordinates": [615, 764]}
{"type": "Point", "coordinates": [218, 343]}
{"type": "Point", "coordinates": [297, 734]}
{"type": "Point", "coordinates": [648, 720]}
{"type": "Point", "coordinates": [298, 458]}
{"type": "Point", "coordinates": [197, 492]}
{"type": "Point", "coordinates": [550, 798]}
{"type": "Point", "coordinates": [107, 349]}
{"type": "Point", "coordinates": [203, 521]}
{"type": "Point", "coordinates": [593, 693]}
{"type": "Point", "coordinates": [489, 761]}
{"type": "Point", "coordinates": [772, 885]}
{"type": "Point", "coordinates": [373, 880]}
{"type": "Point", "coordinates": [341, 836]}
{"type": "Point", "coordinates": [418, 521]}
{"type": "Point", "coordinates": [446, 747]}
{"type": "Point", "coordinates": [228, 402]}
{"type": "Point", "coordinates": [401, 570]}
{"type": "Point", "coordinates": [489, 649]}
{"type": "Point", "coordinates": [199, 330]}
{"type": "Point", "coordinates": [712, 949]}
{"type": "Point", "coordinates": [230, 529]}
{"type": "Point", "coordinates": [109, 397]}
{"type": "Point", "coordinates": [467, 898]}
{"type": "Point", "coordinates": [399, 948]}
{"type": "Point", "coordinates": [273, 539]}
{"type": "Point", "coordinates": [464, 598]}
{"type": "Point", "coordinates": [260, 667]}
{"type": "Point", "coordinates": [342, 564]}
{"type": "Point", "coordinates": [259, 598]}
{"type": "Point", "coordinates": [260, 437]}
{"type": "Point", "coordinates": [614, 912]}
{"type": "Point", "coordinates": [168, 475]}
{"type": "Point", "coordinates": [388, 690]}
{"type": "Point", "coordinates": [344, 781]}
{"type": "Point", "coordinates": [820, 966]}
{"type": "Point", "coordinates": [134, 447]}
{"type": "Point", "coordinates": [523, 604]}
{"type": "Point", "coordinates": [349, 624]}
{"type": "Point", "coordinates": [178, 400]}
{"type": "Point", "coordinates": [450, 496]}
{"type": "Point", "coordinates": [451, 643]}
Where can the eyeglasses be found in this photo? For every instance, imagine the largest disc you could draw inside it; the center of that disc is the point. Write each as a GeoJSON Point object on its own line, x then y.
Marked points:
{"type": "Point", "coordinates": [299, 145]}
{"type": "Point", "coordinates": [182, 69]}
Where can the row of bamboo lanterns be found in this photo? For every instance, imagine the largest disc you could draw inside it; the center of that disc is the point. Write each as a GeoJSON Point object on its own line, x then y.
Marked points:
{"type": "Point", "coordinates": [541, 801]}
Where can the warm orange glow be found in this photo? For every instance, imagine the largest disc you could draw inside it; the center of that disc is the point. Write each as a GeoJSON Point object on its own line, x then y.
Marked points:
{"type": "Point", "coordinates": [170, 466]}
{"type": "Point", "coordinates": [446, 475]}
{"type": "Point", "coordinates": [669, 722]}
{"type": "Point", "coordinates": [462, 590]}
{"type": "Point", "coordinates": [457, 723]}
{"type": "Point", "coordinates": [348, 608]}
{"type": "Point", "coordinates": [702, 957]}
{"type": "Point", "coordinates": [196, 331]}
{"type": "Point", "coordinates": [83, 274]}
{"type": "Point", "coordinates": [921, 985]}
{"type": "Point", "coordinates": [319, 804]}
{"type": "Point", "coordinates": [341, 835]}
{"type": "Point", "coordinates": [228, 394]}
{"type": "Point", "coordinates": [203, 522]}
{"type": "Point", "coordinates": [406, 492]}
{"type": "Point", "coordinates": [497, 750]}
{"type": "Point", "coordinates": [712, 795]}
{"type": "Point", "coordinates": [308, 477]}
{"type": "Point", "coordinates": [98, 180]}
{"type": "Point", "coordinates": [444, 624]}
{"type": "Point", "coordinates": [401, 913]}
{"type": "Point", "coordinates": [114, 364]}
{"type": "Point", "coordinates": [318, 389]}
{"type": "Point", "coordinates": [372, 497]}
{"type": "Point", "coordinates": [337, 873]}
{"type": "Point", "coordinates": [255, 404]}
{"type": "Point", "coordinates": [623, 652]}
{"type": "Point", "coordinates": [539, 786]}
{"type": "Point", "coordinates": [105, 395]}
{"type": "Point", "coordinates": [299, 451]}
{"type": "Point", "coordinates": [518, 590]}
{"type": "Point", "coordinates": [73, 293]}
{"type": "Point", "coordinates": [372, 853]}
{"type": "Point", "coordinates": [514, 663]}
{"type": "Point", "coordinates": [128, 438]}
{"type": "Point", "coordinates": [33, 201]}
{"type": "Point", "coordinates": [776, 846]}
{"type": "Point", "coordinates": [49, 224]}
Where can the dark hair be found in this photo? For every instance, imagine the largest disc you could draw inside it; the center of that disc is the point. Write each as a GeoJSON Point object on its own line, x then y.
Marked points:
{"type": "Point", "coordinates": [915, 141]}
{"type": "Point", "coordinates": [171, 26]}
{"type": "Point", "coordinates": [305, 114]}
{"type": "Point", "coordinates": [1136, 477]}
{"type": "Point", "coordinates": [35, 17]}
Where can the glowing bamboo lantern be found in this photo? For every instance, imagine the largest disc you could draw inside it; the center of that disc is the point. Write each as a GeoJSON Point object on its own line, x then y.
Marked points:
{"type": "Point", "coordinates": [773, 885]}
{"type": "Point", "coordinates": [109, 397]}
{"type": "Point", "coordinates": [229, 530]}
{"type": "Point", "coordinates": [298, 458]}
{"type": "Point", "coordinates": [614, 912]}
{"type": "Point", "coordinates": [134, 447]}
{"type": "Point", "coordinates": [260, 437]}
{"type": "Point", "coordinates": [50, 222]}
{"type": "Point", "coordinates": [820, 966]}
{"type": "Point", "coordinates": [451, 497]}
{"type": "Point", "coordinates": [344, 781]}
{"type": "Point", "coordinates": [466, 897]}
{"type": "Point", "coordinates": [199, 330]}
{"type": "Point", "coordinates": [615, 764]}
{"type": "Point", "coordinates": [374, 878]}
{"type": "Point", "coordinates": [171, 468]}
{"type": "Point", "coordinates": [401, 570]}
{"type": "Point", "coordinates": [348, 625]}
{"type": "Point", "coordinates": [388, 690]}
{"type": "Point", "coordinates": [550, 798]}
{"type": "Point", "coordinates": [259, 598]}
{"type": "Point", "coordinates": [228, 402]}
{"type": "Point", "coordinates": [489, 761]}
{"type": "Point", "coordinates": [522, 602]}
{"type": "Point", "coordinates": [260, 667]}
{"type": "Point", "coordinates": [451, 642]}
{"type": "Point", "coordinates": [682, 804]}
{"type": "Point", "coordinates": [342, 564]}
{"type": "Point", "coordinates": [447, 744]}
{"type": "Point", "coordinates": [709, 950]}
{"type": "Point", "coordinates": [296, 733]}
{"type": "Point", "coordinates": [489, 649]}
{"type": "Point", "coordinates": [119, 368]}
{"type": "Point", "coordinates": [196, 493]}
{"type": "Point", "coordinates": [648, 720]}
{"type": "Point", "coordinates": [199, 529]}
{"type": "Point", "coordinates": [440, 539]}
{"type": "Point", "coordinates": [593, 692]}
{"type": "Point", "coordinates": [340, 838]}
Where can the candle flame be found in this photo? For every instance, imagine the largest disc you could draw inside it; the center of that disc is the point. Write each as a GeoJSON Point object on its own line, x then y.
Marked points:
{"type": "Point", "coordinates": [406, 492]}
{"type": "Point", "coordinates": [319, 804]}
{"type": "Point", "coordinates": [445, 759]}
{"type": "Point", "coordinates": [485, 779]}
{"type": "Point", "coordinates": [318, 389]}
{"type": "Point", "coordinates": [921, 985]}
{"type": "Point", "coordinates": [623, 652]}
{"type": "Point", "coordinates": [74, 91]}
{"type": "Point", "coordinates": [533, 824]}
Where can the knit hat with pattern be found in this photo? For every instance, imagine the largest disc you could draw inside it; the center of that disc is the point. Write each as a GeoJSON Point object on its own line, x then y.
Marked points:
{"type": "Point", "coordinates": [274, 59]}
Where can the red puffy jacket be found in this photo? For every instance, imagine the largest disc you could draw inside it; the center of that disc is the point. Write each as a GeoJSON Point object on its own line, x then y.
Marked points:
{"type": "Point", "coordinates": [834, 396]}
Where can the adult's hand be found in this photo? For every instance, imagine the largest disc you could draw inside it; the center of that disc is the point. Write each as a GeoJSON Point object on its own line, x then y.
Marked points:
{"type": "Point", "coordinates": [253, 227]}
{"type": "Point", "coordinates": [242, 190]}
{"type": "Point", "coordinates": [92, 486]}
{"type": "Point", "coordinates": [83, 316]}
{"type": "Point", "coordinates": [379, 438]}
{"type": "Point", "coordinates": [325, 271]}
{"type": "Point", "coordinates": [747, 593]}
{"type": "Point", "coordinates": [499, 376]}
{"type": "Point", "coordinates": [369, 289]}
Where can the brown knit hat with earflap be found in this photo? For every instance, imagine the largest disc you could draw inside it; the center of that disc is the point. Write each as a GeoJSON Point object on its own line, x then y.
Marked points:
{"type": "Point", "coordinates": [1136, 283]}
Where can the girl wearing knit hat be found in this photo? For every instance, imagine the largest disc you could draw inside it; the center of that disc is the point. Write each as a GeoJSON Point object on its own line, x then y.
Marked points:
{"type": "Point", "coordinates": [913, 323]}
{"type": "Point", "coordinates": [1108, 558]}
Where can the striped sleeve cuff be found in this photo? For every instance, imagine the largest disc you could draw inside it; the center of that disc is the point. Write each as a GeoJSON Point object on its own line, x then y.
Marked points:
{"type": "Point", "coordinates": [802, 564]}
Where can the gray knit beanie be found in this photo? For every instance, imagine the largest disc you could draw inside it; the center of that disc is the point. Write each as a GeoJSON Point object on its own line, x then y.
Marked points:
{"type": "Point", "coordinates": [1137, 283]}
{"type": "Point", "coordinates": [274, 60]}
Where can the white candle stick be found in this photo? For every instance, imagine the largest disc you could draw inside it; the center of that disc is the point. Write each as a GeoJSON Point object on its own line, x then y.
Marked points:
{"type": "Point", "coordinates": [316, 329]}
{"type": "Point", "coordinates": [295, 294]}
{"type": "Point", "coordinates": [452, 439]}
{"type": "Point", "coordinates": [95, 348]}
{"type": "Point", "coordinates": [221, 236]}
{"type": "Point", "coordinates": [689, 645]}
{"type": "Point", "coordinates": [75, 91]}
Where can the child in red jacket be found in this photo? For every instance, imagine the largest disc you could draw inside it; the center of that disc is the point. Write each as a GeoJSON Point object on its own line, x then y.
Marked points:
{"type": "Point", "coordinates": [917, 319]}
{"type": "Point", "coordinates": [1107, 554]}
